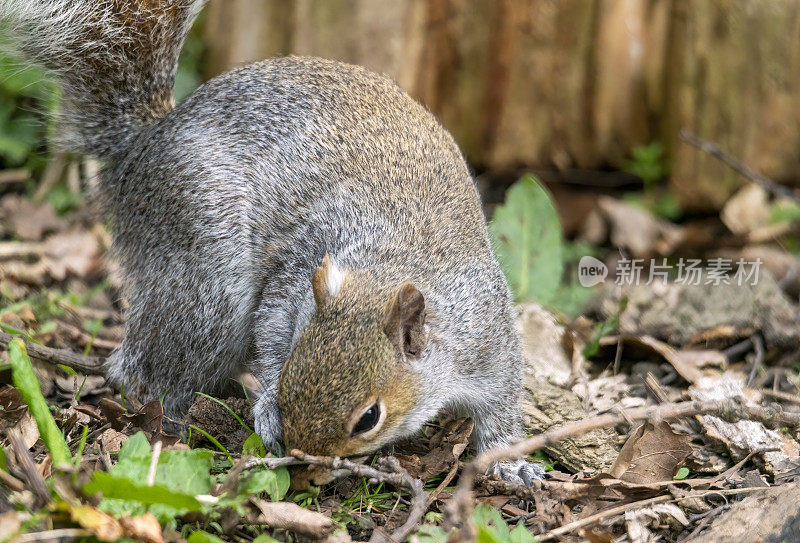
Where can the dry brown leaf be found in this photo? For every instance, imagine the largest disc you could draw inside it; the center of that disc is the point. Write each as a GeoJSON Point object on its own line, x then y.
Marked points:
{"type": "Point", "coordinates": [747, 210]}
{"type": "Point", "coordinates": [292, 517]}
{"type": "Point", "coordinates": [766, 515]}
{"type": "Point", "coordinates": [29, 221]}
{"type": "Point", "coordinates": [76, 252]}
{"type": "Point", "coordinates": [652, 454]}
{"type": "Point", "coordinates": [112, 440]}
{"type": "Point", "coordinates": [638, 231]}
{"type": "Point", "coordinates": [745, 436]}
{"type": "Point", "coordinates": [142, 528]}
{"type": "Point", "coordinates": [103, 526]}
{"type": "Point", "coordinates": [543, 349]}
{"type": "Point", "coordinates": [446, 446]}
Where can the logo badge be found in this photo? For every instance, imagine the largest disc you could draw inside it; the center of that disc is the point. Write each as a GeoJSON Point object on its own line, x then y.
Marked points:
{"type": "Point", "coordinates": [591, 271]}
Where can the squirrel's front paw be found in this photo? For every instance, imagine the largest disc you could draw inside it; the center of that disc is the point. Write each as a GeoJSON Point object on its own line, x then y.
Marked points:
{"type": "Point", "coordinates": [520, 472]}
{"type": "Point", "coordinates": [267, 417]}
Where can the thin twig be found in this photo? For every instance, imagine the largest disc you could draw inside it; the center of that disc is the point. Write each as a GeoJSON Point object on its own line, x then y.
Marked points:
{"type": "Point", "coordinates": [14, 176]}
{"type": "Point", "coordinates": [88, 365]}
{"type": "Point", "coordinates": [777, 394]}
{"type": "Point", "coordinates": [11, 482]}
{"type": "Point", "coordinates": [460, 507]}
{"type": "Point", "coordinates": [395, 475]}
{"type": "Point", "coordinates": [758, 361]}
{"type": "Point", "coordinates": [25, 463]}
{"type": "Point", "coordinates": [151, 471]}
{"type": "Point", "coordinates": [737, 165]}
{"type": "Point", "coordinates": [444, 483]}
{"type": "Point", "coordinates": [60, 534]}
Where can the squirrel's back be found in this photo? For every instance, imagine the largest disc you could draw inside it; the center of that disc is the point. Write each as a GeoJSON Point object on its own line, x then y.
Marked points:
{"type": "Point", "coordinates": [310, 151]}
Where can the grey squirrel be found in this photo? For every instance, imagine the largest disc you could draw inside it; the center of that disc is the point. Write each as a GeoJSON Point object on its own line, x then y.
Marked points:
{"type": "Point", "coordinates": [298, 218]}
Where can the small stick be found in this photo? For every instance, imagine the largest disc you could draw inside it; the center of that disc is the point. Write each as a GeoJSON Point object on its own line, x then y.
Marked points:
{"type": "Point", "coordinates": [737, 165]}
{"type": "Point", "coordinates": [11, 482]}
{"type": "Point", "coordinates": [397, 476]}
{"type": "Point", "coordinates": [593, 519]}
{"type": "Point", "coordinates": [88, 365]}
{"type": "Point", "coordinates": [785, 396]}
{"type": "Point", "coordinates": [460, 507]}
{"type": "Point", "coordinates": [444, 483]}
{"type": "Point", "coordinates": [758, 345]}
{"type": "Point", "coordinates": [59, 534]}
{"type": "Point", "coordinates": [151, 471]}
{"type": "Point", "coordinates": [14, 176]}
{"type": "Point", "coordinates": [28, 467]}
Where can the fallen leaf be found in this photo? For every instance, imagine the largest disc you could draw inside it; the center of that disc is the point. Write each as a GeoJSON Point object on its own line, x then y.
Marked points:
{"type": "Point", "coordinates": [102, 525]}
{"type": "Point", "coordinates": [747, 210]}
{"type": "Point", "coordinates": [76, 252]}
{"type": "Point", "coordinates": [635, 229]}
{"type": "Point", "coordinates": [746, 436]}
{"type": "Point", "coordinates": [446, 446]}
{"type": "Point", "coordinates": [652, 454]}
{"type": "Point", "coordinates": [142, 528]}
{"type": "Point", "coordinates": [292, 517]}
{"type": "Point", "coordinates": [29, 221]}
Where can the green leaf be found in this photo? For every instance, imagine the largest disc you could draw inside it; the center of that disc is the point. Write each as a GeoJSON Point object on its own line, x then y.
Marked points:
{"type": "Point", "coordinates": [135, 447]}
{"type": "Point", "coordinates": [274, 482]}
{"type": "Point", "coordinates": [25, 381]}
{"type": "Point", "coordinates": [526, 233]}
{"type": "Point", "coordinates": [681, 474]}
{"type": "Point", "coordinates": [186, 471]}
{"type": "Point", "coordinates": [430, 534]}
{"type": "Point", "coordinates": [520, 534]}
{"type": "Point", "coordinates": [199, 536]}
{"type": "Point", "coordinates": [254, 446]}
{"type": "Point", "coordinates": [265, 538]}
{"type": "Point", "coordinates": [124, 489]}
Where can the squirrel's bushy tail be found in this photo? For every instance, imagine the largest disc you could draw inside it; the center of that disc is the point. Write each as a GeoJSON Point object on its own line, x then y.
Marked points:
{"type": "Point", "coordinates": [115, 59]}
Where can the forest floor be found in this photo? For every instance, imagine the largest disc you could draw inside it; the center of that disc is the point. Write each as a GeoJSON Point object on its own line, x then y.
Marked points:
{"type": "Point", "coordinates": [663, 409]}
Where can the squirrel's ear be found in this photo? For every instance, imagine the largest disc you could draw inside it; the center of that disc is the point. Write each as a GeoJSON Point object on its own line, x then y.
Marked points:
{"type": "Point", "coordinates": [327, 281]}
{"type": "Point", "coordinates": [405, 320]}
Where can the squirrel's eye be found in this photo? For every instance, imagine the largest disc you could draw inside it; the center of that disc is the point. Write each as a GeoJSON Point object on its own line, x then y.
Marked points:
{"type": "Point", "coordinates": [368, 420]}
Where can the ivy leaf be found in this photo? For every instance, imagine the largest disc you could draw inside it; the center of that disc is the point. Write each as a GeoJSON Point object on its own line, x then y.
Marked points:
{"type": "Point", "coordinates": [274, 482]}
{"type": "Point", "coordinates": [526, 233]}
{"type": "Point", "coordinates": [254, 446]}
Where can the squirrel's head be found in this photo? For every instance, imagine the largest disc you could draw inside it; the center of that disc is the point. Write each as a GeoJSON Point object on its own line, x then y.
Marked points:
{"type": "Point", "coordinates": [349, 386]}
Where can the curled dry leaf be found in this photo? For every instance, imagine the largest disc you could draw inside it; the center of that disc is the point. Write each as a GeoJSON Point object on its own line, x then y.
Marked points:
{"type": "Point", "coordinates": [637, 230]}
{"type": "Point", "coordinates": [29, 221]}
{"type": "Point", "coordinates": [746, 436]}
{"type": "Point", "coordinates": [76, 252]}
{"type": "Point", "coordinates": [652, 454]}
{"type": "Point", "coordinates": [766, 515]}
{"type": "Point", "coordinates": [142, 528]}
{"type": "Point", "coordinates": [103, 526]}
{"type": "Point", "coordinates": [292, 517]}
{"type": "Point", "coordinates": [543, 348]}
{"type": "Point", "coordinates": [639, 521]}
{"type": "Point", "coordinates": [446, 446]}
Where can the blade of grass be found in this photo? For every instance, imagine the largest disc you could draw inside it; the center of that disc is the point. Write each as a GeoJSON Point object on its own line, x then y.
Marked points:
{"type": "Point", "coordinates": [213, 440]}
{"type": "Point", "coordinates": [25, 381]}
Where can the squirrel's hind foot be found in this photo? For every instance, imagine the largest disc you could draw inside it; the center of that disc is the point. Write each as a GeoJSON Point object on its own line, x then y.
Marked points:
{"type": "Point", "coordinates": [519, 471]}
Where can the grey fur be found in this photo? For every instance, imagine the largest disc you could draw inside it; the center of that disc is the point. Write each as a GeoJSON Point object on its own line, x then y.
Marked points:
{"type": "Point", "coordinates": [223, 207]}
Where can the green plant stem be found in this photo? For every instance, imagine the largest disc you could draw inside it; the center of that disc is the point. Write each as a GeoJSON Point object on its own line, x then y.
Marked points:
{"type": "Point", "coordinates": [25, 380]}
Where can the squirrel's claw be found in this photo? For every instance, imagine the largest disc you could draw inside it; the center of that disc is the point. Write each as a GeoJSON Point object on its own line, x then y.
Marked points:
{"type": "Point", "coordinates": [520, 472]}
{"type": "Point", "coordinates": [267, 417]}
